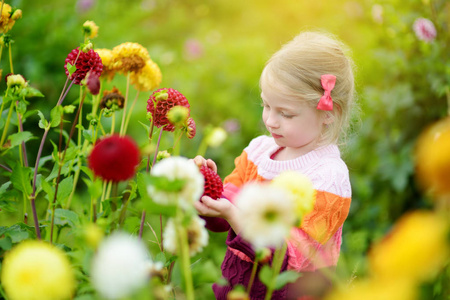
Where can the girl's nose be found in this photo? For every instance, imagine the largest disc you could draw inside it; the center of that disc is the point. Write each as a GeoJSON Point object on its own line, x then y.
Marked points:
{"type": "Point", "coordinates": [272, 121]}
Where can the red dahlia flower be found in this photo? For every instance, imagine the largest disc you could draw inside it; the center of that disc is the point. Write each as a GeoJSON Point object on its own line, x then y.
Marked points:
{"type": "Point", "coordinates": [87, 61]}
{"type": "Point", "coordinates": [159, 105]}
{"type": "Point", "coordinates": [114, 158]}
{"type": "Point", "coordinates": [213, 184]}
{"type": "Point", "coordinates": [213, 188]}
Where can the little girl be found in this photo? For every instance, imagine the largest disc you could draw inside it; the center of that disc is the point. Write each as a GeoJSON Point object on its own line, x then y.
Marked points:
{"type": "Point", "coordinates": [307, 94]}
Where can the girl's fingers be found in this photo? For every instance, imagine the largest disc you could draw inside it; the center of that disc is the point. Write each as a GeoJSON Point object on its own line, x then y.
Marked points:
{"type": "Point", "coordinates": [211, 164]}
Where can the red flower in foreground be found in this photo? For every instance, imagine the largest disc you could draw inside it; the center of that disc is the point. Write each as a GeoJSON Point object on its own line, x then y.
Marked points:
{"type": "Point", "coordinates": [213, 183]}
{"type": "Point", "coordinates": [87, 61]}
{"type": "Point", "coordinates": [159, 104]}
{"type": "Point", "coordinates": [114, 158]}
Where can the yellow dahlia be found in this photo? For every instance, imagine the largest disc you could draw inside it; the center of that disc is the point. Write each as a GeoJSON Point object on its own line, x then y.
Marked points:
{"type": "Point", "coordinates": [129, 57]}
{"type": "Point", "coordinates": [106, 56]}
{"type": "Point", "coordinates": [148, 78]}
{"type": "Point", "coordinates": [37, 270]}
{"type": "Point", "coordinates": [433, 159]}
{"type": "Point", "coordinates": [300, 189]}
{"type": "Point", "coordinates": [6, 22]}
{"type": "Point", "coordinates": [415, 249]}
{"type": "Point", "coordinates": [371, 289]}
{"type": "Point", "coordinates": [90, 29]}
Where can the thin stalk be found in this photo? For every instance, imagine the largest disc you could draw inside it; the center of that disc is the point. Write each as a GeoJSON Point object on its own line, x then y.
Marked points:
{"type": "Point", "coordinates": [32, 196]}
{"type": "Point", "coordinates": [157, 147]}
{"type": "Point", "coordinates": [203, 147]}
{"type": "Point", "coordinates": [278, 258]}
{"type": "Point", "coordinates": [23, 149]}
{"type": "Point", "coordinates": [141, 227]}
{"type": "Point", "coordinates": [176, 148]}
{"type": "Point", "coordinates": [447, 91]}
{"type": "Point", "coordinates": [61, 163]}
{"type": "Point", "coordinates": [113, 123]}
{"type": "Point", "coordinates": [252, 276]}
{"type": "Point", "coordinates": [8, 119]}
{"type": "Point", "coordinates": [125, 106]}
{"type": "Point", "coordinates": [130, 112]}
{"type": "Point", "coordinates": [10, 59]}
{"type": "Point", "coordinates": [150, 141]}
{"type": "Point", "coordinates": [185, 259]}
{"type": "Point", "coordinates": [6, 168]}
{"type": "Point", "coordinates": [105, 183]}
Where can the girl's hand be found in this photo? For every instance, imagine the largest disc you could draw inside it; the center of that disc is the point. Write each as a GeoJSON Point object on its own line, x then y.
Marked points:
{"type": "Point", "coordinates": [201, 161]}
{"type": "Point", "coordinates": [221, 208]}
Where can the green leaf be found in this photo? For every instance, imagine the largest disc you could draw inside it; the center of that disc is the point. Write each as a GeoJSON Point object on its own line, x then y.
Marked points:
{"type": "Point", "coordinates": [18, 138]}
{"type": "Point", "coordinates": [285, 278]}
{"type": "Point", "coordinates": [6, 243]}
{"type": "Point", "coordinates": [64, 189]}
{"type": "Point", "coordinates": [64, 216]}
{"type": "Point", "coordinates": [56, 115]}
{"type": "Point", "coordinates": [43, 123]}
{"type": "Point", "coordinates": [21, 179]}
{"type": "Point", "coordinates": [4, 187]}
{"type": "Point", "coordinates": [21, 107]}
{"type": "Point", "coordinates": [32, 92]}
{"type": "Point", "coordinates": [132, 224]}
{"type": "Point", "coordinates": [19, 232]}
{"type": "Point", "coordinates": [161, 256]}
{"type": "Point", "coordinates": [71, 68]}
{"type": "Point", "coordinates": [265, 275]}
{"type": "Point", "coordinates": [47, 187]}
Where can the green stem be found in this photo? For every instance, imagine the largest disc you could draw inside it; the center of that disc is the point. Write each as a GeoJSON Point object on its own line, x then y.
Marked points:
{"type": "Point", "coordinates": [113, 123]}
{"type": "Point", "coordinates": [105, 183]}
{"type": "Point", "coordinates": [278, 258]}
{"type": "Point", "coordinates": [252, 276]}
{"type": "Point", "coordinates": [8, 119]}
{"type": "Point", "coordinates": [447, 91]}
{"type": "Point", "coordinates": [130, 112]}
{"type": "Point", "coordinates": [10, 59]}
{"type": "Point", "coordinates": [185, 257]}
{"type": "Point", "coordinates": [202, 148]}
{"type": "Point", "coordinates": [176, 148]}
{"type": "Point", "coordinates": [125, 106]}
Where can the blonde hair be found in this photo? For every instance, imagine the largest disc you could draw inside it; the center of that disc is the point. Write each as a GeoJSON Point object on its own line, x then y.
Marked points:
{"type": "Point", "coordinates": [297, 67]}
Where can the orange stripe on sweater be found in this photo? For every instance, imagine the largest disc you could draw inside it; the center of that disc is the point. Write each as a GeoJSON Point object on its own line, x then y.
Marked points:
{"type": "Point", "coordinates": [329, 213]}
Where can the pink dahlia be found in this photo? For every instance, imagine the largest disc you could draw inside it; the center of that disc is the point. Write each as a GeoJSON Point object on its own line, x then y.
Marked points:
{"type": "Point", "coordinates": [114, 158]}
{"type": "Point", "coordinates": [424, 30]}
{"type": "Point", "coordinates": [159, 104]}
{"type": "Point", "coordinates": [86, 61]}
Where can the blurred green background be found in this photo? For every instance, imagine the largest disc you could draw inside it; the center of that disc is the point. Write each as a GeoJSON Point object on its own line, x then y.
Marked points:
{"type": "Point", "coordinates": [214, 51]}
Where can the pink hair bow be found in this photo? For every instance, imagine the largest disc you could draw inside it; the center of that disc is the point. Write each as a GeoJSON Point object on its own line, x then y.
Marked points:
{"type": "Point", "coordinates": [326, 102]}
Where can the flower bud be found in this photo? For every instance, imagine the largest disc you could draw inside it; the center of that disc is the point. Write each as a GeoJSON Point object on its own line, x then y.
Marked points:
{"type": "Point", "coordinates": [162, 155]}
{"type": "Point", "coordinates": [17, 14]}
{"type": "Point", "coordinates": [93, 82]}
{"type": "Point", "coordinates": [16, 82]}
{"type": "Point", "coordinates": [177, 115]}
{"type": "Point", "coordinates": [90, 29]}
{"type": "Point", "coordinates": [216, 137]}
{"type": "Point", "coordinates": [93, 235]}
{"type": "Point", "coordinates": [263, 255]}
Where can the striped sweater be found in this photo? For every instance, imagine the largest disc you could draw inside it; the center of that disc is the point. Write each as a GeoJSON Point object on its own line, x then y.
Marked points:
{"type": "Point", "coordinates": [316, 243]}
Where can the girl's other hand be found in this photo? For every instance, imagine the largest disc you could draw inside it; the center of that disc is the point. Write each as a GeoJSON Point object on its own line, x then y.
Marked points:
{"type": "Point", "coordinates": [201, 161]}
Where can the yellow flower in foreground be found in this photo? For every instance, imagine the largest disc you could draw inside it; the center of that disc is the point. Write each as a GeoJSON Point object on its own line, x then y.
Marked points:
{"type": "Point", "coordinates": [300, 188]}
{"type": "Point", "coordinates": [376, 290]}
{"type": "Point", "coordinates": [90, 29]}
{"type": "Point", "coordinates": [129, 57]}
{"type": "Point", "coordinates": [6, 22]}
{"type": "Point", "coordinates": [37, 270]}
{"type": "Point", "coordinates": [415, 249]}
{"type": "Point", "coordinates": [148, 78]}
{"type": "Point", "coordinates": [433, 159]}
{"type": "Point", "coordinates": [106, 56]}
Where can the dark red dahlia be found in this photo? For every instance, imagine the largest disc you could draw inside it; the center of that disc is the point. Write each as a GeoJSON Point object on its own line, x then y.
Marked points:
{"type": "Point", "coordinates": [114, 158]}
{"type": "Point", "coordinates": [87, 61]}
{"type": "Point", "coordinates": [213, 183]}
{"type": "Point", "coordinates": [160, 102]}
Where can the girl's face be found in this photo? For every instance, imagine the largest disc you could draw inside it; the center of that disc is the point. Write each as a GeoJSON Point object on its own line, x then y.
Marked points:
{"type": "Point", "coordinates": [293, 125]}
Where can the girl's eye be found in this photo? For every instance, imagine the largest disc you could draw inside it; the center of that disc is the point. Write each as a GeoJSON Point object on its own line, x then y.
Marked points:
{"type": "Point", "coordinates": [286, 116]}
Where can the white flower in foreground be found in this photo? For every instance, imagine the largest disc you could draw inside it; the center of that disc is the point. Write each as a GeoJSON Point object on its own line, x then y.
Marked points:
{"type": "Point", "coordinates": [120, 266]}
{"type": "Point", "coordinates": [177, 168]}
{"type": "Point", "coordinates": [299, 188]}
{"type": "Point", "coordinates": [197, 236]}
{"type": "Point", "coordinates": [267, 214]}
